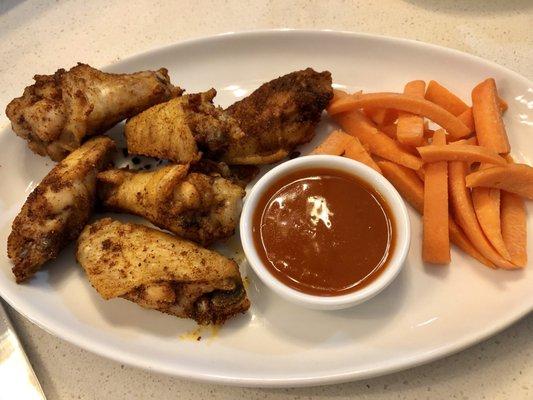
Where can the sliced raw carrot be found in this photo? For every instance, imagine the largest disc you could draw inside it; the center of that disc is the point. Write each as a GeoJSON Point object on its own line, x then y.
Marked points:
{"type": "Point", "coordinates": [356, 151]}
{"type": "Point", "coordinates": [411, 188]}
{"type": "Point", "coordinates": [381, 116]}
{"type": "Point", "coordinates": [389, 130]}
{"type": "Point", "coordinates": [406, 182]}
{"type": "Point", "coordinates": [514, 178]}
{"type": "Point", "coordinates": [436, 236]}
{"type": "Point", "coordinates": [458, 237]}
{"type": "Point", "coordinates": [502, 105]}
{"type": "Point", "coordinates": [466, 217]}
{"type": "Point", "coordinates": [403, 102]}
{"type": "Point", "coordinates": [421, 173]}
{"type": "Point", "coordinates": [508, 158]}
{"type": "Point", "coordinates": [428, 133]}
{"type": "Point", "coordinates": [468, 119]}
{"type": "Point", "coordinates": [472, 141]}
{"type": "Point", "coordinates": [357, 124]}
{"type": "Point", "coordinates": [338, 94]}
{"type": "Point", "coordinates": [438, 94]}
{"type": "Point", "coordinates": [514, 229]}
{"type": "Point", "coordinates": [415, 88]}
{"type": "Point", "coordinates": [410, 130]}
{"type": "Point", "coordinates": [410, 127]}
{"type": "Point", "coordinates": [486, 203]}
{"type": "Point", "coordinates": [334, 144]}
{"type": "Point", "coordinates": [488, 122]}
{"type": "Point", "coordinates": [460, 152]}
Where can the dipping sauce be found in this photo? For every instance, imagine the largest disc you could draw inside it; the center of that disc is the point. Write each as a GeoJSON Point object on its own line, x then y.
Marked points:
{"type": "Point", "coordinates": [323, 232]}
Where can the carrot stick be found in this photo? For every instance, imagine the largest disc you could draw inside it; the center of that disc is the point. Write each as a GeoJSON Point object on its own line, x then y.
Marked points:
{"type": "Point", "coordinates": [338, 94]}
{"type": "Point", "coordinates": [335, 144]}
{"type": "Point", "coordinates": [487, 207]}
{"type": "Point", "coordinates": [403, 102]}
{"type": "Point", "coordinates": [406, 182]}
{"type": "Point", "coordinates": [509, 158]}
{"type": "Point", "coordinates": [411, 188]}
{"type": "Point", "coordinates": [514, 178]}
{"type": "Point", "coordinates": [389, 130]}
{"type": "Point", "coordinates": [466, 217]}
{"type": "Point", "coordinates": [381, 116]}
{"type": "Point", "coordinates": [471, 141]}
{"type": "Point", "coordinates": [502, 105]}
{"type": "Point", "coordinates": [514, 229]}
{"type": "Point", "coordinates": [438, 94]}
{"type": "Point", "coordinates": [410, 128]}
{"type": "Point", "coordinates": [428, 133]}
{"type": "Point", "coordinates": [357, 124]}
{"type": "Point", "coordinates": [488, 122]}
{"type": "Point", "coordinates": [436, 238]}
{"type": "Point", "coordinates": [355, 150]}
{"type": "Point", "coordinates": [468, 119]}
{"type": "Point", "coordinates": [421, 173]}
{"type": "Point", "coordinates": [460, 152]}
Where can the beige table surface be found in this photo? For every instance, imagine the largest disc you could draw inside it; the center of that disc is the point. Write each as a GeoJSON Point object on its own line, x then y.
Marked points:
{"type": "Point", "coordinates": [40, 36]}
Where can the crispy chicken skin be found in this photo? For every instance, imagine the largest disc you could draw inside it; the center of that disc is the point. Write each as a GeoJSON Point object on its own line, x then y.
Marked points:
{"type": "Point", "coordinates": [241, 175]}
{"type": "Point", "coordinates": [160, 272]}
{"type": "Point", "coordinates": [56, 113]}
{"type": "Point", "coordinates": [57, 210]}
{"type": "Point", "coordinates": [278, 116]}
{"type": "Point", "coordinates": [194, 206]}
{"type": "Point", "coordinates": [182, 129]}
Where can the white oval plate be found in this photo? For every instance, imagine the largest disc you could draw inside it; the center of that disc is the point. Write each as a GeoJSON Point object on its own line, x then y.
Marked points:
{"type": "Point", "coordinates": [427, 313]}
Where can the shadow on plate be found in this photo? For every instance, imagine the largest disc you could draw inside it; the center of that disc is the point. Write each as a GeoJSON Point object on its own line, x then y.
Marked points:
{"type": "Point", "coordinates": [472, 8]}
{"type": "Point", "coordinates": [313, 326]}
{"type": "Point", "coordinates": [499, 278]}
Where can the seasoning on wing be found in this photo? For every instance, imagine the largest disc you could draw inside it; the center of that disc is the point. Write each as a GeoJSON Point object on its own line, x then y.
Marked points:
{"type": "Point", "coordinates": [241, 175]}
{"type": "Point", "coordinates": [278, 116]}
{"type": "Point", "coordinates": [160, 272]}
{"type": "Point", "coordinates": [182, 129]}
{"type": "Point", "coordinates": [59, 110]}
{"type": "Point", "coordinates": [57, 210]}
{"type": "Point", "coordinates": [195, 206]}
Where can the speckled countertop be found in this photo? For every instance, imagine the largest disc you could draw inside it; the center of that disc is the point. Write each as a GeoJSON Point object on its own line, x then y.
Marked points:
{"type": "Point", "coordinates": [40, 36]}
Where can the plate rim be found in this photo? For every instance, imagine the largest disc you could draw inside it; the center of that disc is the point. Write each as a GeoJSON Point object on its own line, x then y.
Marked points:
{"type": "Point", "coordinates": [107, 350]}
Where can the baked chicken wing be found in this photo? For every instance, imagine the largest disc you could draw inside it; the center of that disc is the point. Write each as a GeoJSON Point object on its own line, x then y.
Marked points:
{"type": "Point", "coordinates": [57, 210]}
{"type": "Point", "coordinates": [182, 129]}
{"type": "Point", "coordinates": [195, 206]}
{"type": "Point", "coordinates": [160, 272]}
{"type": "Point", "coordinates": [58, 111]}
{"type": "Point", "coordinates": [278, 116]}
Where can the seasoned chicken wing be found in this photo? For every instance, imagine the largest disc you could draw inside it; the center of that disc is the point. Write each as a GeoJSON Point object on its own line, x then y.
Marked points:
{"type": "Point", "coordinates": [195, 206]}
{"type": "Point", "coordinates": [160, 272]}
{"type": "Point", "coordinates": [57, 210]}
{"type": "Point", "coordinates": [58, 111]}
{"type": "Point", "coordinates": [278, 116]}
{"type": "Point", "coordinates": [241, 175]}
{"type": "Point", "coordinates": [182, 129]}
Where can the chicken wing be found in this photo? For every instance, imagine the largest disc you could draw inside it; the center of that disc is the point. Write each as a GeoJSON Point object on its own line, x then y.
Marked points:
{"type": "Point", "coordinates": [278, 116]}
{"type": "Point", "coordinates": [160, 272]}
{"type": "Point", "coordinates": [57, 210]}
{"type": "Point", "coordinates": [182, 129]}
{"type": "Point", "coordinates": [58, 111]}
{"type": "Point", "coordinates": [241, 175]}
{"type": "Point", "coordinates": [195, 206]}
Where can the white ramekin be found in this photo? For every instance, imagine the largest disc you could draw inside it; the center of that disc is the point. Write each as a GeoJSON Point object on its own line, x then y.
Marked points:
{"type": "Point", "coordinates": [401, 224]}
